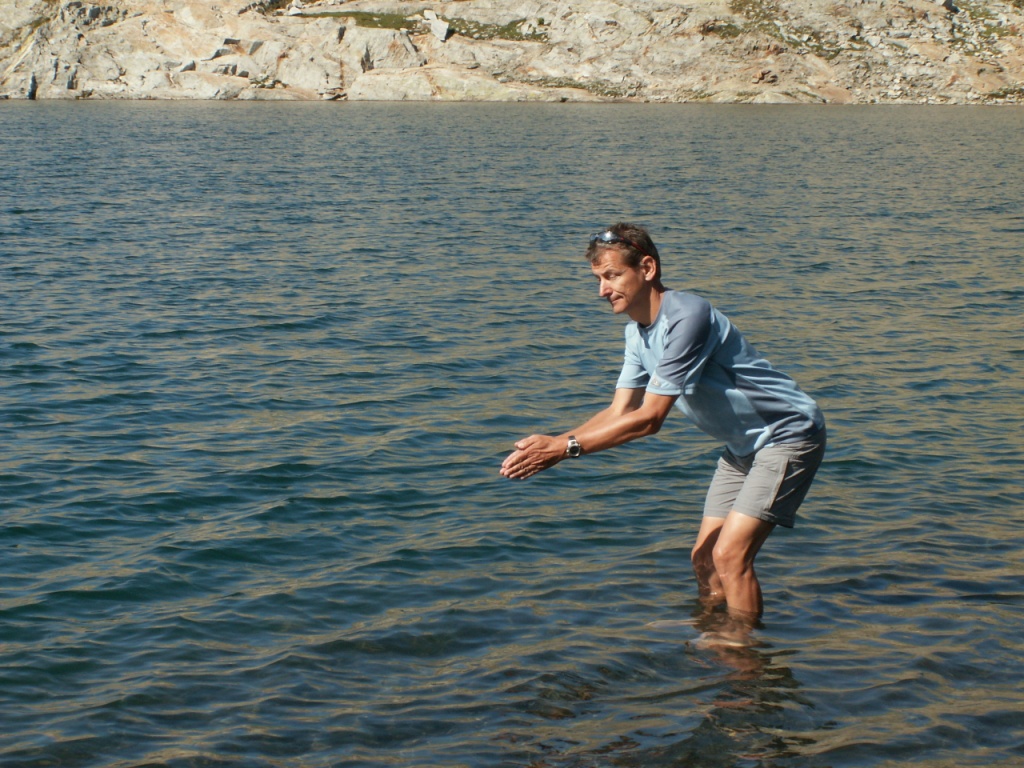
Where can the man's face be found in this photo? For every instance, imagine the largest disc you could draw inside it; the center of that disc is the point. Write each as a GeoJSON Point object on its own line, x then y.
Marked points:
{"type": "Point", "coordinates": [626, 288]}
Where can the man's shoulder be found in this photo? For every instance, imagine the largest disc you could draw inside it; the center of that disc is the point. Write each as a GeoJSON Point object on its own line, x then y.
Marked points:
{"type": "Point", "coordinates": [684, 307]}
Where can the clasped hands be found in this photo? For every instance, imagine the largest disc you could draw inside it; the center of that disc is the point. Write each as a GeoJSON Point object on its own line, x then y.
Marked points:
{"type": "Point", "coordinates": [533, 454]}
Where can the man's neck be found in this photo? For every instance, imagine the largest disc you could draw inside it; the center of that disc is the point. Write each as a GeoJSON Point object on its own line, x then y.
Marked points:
{"type": "Point", "coordinates": [648, 311]}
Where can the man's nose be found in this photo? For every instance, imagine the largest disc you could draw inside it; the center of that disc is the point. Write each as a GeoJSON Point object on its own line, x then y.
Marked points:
{"type": "Point", "coordinates": [603, 289]}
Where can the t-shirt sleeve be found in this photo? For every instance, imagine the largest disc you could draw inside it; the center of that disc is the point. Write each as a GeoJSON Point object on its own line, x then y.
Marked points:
{"type": "Point", "coordinates": [633, 375]}
{"type": "Point", "coordinates": [686, 349]}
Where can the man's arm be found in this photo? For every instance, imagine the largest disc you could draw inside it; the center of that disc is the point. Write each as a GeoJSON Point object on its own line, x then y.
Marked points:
{"type": "Point", "coordinates": [633, 413]}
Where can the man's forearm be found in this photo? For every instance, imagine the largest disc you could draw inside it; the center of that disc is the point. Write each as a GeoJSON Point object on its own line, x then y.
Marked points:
{"type": "Point", "coordinates": [595, 422]}
{"type": "Point", "coordinates": [609, 429]}
{"type": "Point", "coordinates": [630, 416]}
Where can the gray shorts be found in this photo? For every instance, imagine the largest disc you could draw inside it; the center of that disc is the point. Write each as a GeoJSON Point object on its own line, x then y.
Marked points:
{"type": "Point", "coordinates": [769, 484]}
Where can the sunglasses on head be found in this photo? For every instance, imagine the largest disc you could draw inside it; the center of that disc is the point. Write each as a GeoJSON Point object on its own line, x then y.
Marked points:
{"type": "Point", "coordinates": [610, 238]}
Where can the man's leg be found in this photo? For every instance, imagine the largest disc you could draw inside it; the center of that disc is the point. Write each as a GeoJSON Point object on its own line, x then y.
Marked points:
{"type": "Point", "coordinates": [770, 484]}
{"type": "Point", "coordinates": [709, 586]}
{"type": "Point", "coordinates": [726, 485]}
{"type": "Point", "coordinates": [737, 541]}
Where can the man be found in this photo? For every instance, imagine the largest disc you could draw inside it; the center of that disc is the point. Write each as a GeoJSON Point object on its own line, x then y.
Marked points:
{"type": "Point", "coordinates": [682, 351]}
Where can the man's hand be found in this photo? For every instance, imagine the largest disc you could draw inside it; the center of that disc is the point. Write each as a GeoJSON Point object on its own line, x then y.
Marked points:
{"type": "Point", "coordinates": [532, 455]}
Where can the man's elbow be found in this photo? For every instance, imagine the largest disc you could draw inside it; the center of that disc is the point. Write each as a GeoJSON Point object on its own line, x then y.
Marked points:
{"type": "Point", "coordinates": [653, 412]}
{"type": "Point", "coordinates": [652, 425]}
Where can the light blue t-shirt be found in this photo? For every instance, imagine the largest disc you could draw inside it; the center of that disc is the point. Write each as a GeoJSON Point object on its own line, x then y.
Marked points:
{"type": "Point", "coordinates": [729, 391]}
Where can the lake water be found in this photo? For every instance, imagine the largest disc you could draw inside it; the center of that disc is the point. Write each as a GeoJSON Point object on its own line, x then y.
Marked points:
{"type": "Point", "coordinates": [261, 363]}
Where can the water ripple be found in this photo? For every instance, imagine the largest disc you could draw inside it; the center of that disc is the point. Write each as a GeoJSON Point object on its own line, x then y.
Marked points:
{"type": "Point", "coordinates": [260, 370]}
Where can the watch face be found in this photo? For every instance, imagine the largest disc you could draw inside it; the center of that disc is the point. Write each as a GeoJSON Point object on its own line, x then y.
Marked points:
{"type": "Point", "coordinates": [574, 449]}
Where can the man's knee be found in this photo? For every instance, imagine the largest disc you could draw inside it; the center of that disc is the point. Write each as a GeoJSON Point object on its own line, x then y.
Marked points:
{"type": "Point", "coordinates": [731, 558]}
{"type": "Point", "coordinates": [701, 556]}
{"type": "Point", "coordinates": [741, 539]}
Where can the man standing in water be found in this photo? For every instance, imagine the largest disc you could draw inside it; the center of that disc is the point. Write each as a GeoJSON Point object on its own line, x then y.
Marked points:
{"type": "Point", "coordinates": [680, 350]}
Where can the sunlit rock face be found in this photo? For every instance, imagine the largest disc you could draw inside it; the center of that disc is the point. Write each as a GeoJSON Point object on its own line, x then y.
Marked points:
{"type": "Point", "coordinates": [757, 51]}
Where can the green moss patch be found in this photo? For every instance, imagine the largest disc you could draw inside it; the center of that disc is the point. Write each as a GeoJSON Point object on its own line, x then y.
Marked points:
{"type": "Point", "coordinates": [368, 19]}
{"type": "Point", "coordinates": [606, 90]}
{"type": "Point", "coordinates": [723, 29]}
{"type": "Point", "coordinates": [514, 30]}
{"type": "Point", "coordinates": [520, 29]}
{"type": "Point", "coordinates": [762, 13]}
{"type": "Point", "coordinates": [1012, 92]}
{"type": "Point", "coordinates": [764, 17]}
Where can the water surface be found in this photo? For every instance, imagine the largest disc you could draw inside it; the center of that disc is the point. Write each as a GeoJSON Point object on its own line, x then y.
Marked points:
{"type": "Point", "coordinates": [260, 364]}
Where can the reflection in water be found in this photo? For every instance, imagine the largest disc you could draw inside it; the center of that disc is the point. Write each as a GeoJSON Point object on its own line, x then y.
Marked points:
{"type": "Point", "coordinates": [742, 720]}
{"type": "Point", "coordinates": [709, 693]}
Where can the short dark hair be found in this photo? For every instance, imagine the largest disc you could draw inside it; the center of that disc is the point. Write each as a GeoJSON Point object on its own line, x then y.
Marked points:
{"type": "Point", "coordinates": [638, 244]}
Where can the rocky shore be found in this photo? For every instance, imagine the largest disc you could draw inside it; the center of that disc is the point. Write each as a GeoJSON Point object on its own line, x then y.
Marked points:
{"type": "Point", "coordinates": [730, 51]}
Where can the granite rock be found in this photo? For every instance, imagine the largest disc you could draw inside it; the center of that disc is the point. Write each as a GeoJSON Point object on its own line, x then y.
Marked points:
{"type": "Point", "coordinates": [756, 51]}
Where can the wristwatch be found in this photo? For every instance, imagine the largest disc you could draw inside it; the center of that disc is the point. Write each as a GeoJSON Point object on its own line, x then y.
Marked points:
{"type": "Point", "coordinates": [575, 449]}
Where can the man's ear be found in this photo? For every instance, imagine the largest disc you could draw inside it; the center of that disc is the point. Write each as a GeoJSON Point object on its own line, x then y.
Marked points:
{"type": "Point", "coordinates": [650, 267]}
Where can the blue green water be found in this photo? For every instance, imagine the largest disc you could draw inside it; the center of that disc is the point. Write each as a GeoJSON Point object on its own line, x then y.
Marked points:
{"type": "Point", "coordinates": [259, 364]}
